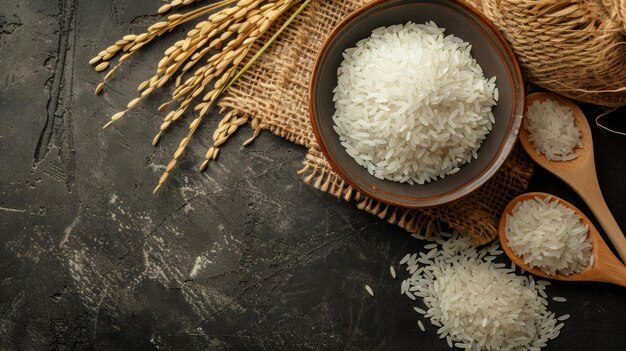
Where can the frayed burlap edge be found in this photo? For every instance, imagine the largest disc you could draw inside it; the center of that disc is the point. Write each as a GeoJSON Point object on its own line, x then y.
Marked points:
{"type": "Point", "coordinates": [476, 215]}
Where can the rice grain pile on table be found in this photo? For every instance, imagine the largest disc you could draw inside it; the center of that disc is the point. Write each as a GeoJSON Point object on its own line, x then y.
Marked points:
{"type": "Point", "coordinates": [477, 304]}
{"type": "Point", "coordinates": [412, 105]}
{"type": "Point", "coordinates": [552, 131]}
{"type": "Point", "coordinates": [548, 235]}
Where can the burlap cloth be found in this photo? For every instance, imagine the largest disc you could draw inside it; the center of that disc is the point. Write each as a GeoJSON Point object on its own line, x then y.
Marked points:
{"type": "Point", "coordinates": [275, 91]}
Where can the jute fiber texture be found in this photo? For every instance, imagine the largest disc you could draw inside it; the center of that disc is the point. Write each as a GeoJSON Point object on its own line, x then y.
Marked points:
{"type": "Point", "coordinates": [275, 91]}
{"type": "Point", "coordinates": [576, 48]}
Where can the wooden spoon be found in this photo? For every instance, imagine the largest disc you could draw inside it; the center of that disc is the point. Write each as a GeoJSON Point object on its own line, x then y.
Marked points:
{"type": "Point", "coordinates": [579, 173]}
{"type": "Point", "coordinates": [606, 267]}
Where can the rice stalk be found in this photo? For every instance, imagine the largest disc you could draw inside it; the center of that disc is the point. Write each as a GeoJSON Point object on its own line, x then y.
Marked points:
{"type": "Point", "coordinates": [175, 3]}
{"type": "Point", "coordinates": [131, 43]}
{"type": "Point", "coordinates": [223, 135]}
{"type": "Point", "coordinates": [217, 45]}
{"type": "Point", "coordinates": [272, 13]}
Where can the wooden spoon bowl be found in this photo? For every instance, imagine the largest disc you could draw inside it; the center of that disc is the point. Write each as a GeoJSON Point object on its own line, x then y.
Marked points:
{"type": "Point", "coordinates": [562, 169]}
{"type": "Point", "coordinates": [606, 267]}
{"type": "Point", "coordinates": [579, 173]}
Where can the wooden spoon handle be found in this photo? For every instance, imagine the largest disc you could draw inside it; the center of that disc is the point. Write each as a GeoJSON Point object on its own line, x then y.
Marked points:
{"type": "Point", "coordinates": [589, 189]}
{"type": "Point", "coordinates": [613, 273]}
{"type": "Point", "coordinates": [610, 226]}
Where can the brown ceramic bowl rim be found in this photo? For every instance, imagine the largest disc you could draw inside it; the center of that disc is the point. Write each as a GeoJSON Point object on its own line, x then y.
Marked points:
{"type": "Point", "coordinates": [505, 149]}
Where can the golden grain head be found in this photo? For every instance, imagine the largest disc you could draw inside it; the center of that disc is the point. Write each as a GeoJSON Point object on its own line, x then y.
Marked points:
{"type": "Point", "coordinates": [169, 116]}
{"type": "Point", "coordinates": [178, 114]}
{"type": "Point", "coordinates": [137, 46]}
{"type": "Point", "coordinates": [147, 92]}
{"type": "Point", "coordinates": [141, 37]}
{"type": "Point", "coordinates": [164, 8]}
{"type": "Point", "coordinates": [162, 81]}
{"type": "Point", "coordinates": [248, 20]}
{"type": "Point", "coordinates": [163, 106]}
{"type": "Point", "coordinates": [164, 61]}
{"type": "Point", "coordinates": [133, 102]}
{"type": "Point", "coordinates": [174, 17]}
{"type": "Point", "coordinates": [204, 166]}
{"type": "Point", "coordinates": [249, 141]}
{"type": "Point", "coordinates": [99, 88]}
{"type": "Point", "coordinates": [110, 74]}
{"type": "Point", "coordinates": [162, 180]}
{"type": "Point", "coordinates": [165, 125]}
{"type": "Point", "coordinates": [171, 165]}
{"type": "Point", "coordinates": [222, 129]}
{"type": "Point", "coordinates": [241, 121]}
{"type": "Point", "coordinates": [179, 153]}
{"type": "Point", "coordinates": [209, 153]}
{"type": "Point", "coordinates": [117, 116]}
{"type": "Point", "coordinates": [143, 85]}
{"type": "Point", "coordinates": [107, 57]}
{"type": "Point", "coordinates": [124, 57]}
{"type": "Point", "coordinates": [156, 138]}
{"type": "Point", "coordinates": [185, 103]}
{"type": "Point", "coordinates": [195, 123]}
{"type": "Point", "coordinates": [157, 26]}
{"type": "Point", "coordinates": [102, 66]}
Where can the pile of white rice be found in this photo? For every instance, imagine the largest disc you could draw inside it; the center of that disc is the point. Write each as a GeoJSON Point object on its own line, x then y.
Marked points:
{"type": "Point", "coordinates": [412, 105]}
{"type": "Point", "coordinates": [477, 304]}
{"type": "Point", "coordinates": [552, 131]}
{"type": "Point", "coordinates": [550, 236]}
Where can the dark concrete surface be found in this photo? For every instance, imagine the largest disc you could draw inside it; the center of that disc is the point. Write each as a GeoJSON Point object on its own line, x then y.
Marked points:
{"type": "Point", "coordinates": [241, 257]}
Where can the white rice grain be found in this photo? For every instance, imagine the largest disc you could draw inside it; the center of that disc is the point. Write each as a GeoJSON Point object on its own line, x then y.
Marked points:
{"type": "Point", "coordinates": [369, 290]}
{"type": "Point", "coordinates": [419, 310]}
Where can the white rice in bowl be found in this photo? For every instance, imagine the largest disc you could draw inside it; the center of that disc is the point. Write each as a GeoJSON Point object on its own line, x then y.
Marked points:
{"type": "Point", "coordinates": [411, 104]}
{"type": "Point", "coordinates": [548, 235]}
{"type": "Point", "coordinates": [552, 131]}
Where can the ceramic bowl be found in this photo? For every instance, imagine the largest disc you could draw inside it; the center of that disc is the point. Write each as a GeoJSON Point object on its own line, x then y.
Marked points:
{"type": "Point", "coordinates": [490, 50]}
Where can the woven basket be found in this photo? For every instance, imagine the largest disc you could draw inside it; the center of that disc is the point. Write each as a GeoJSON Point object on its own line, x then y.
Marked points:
{"type": "Point", "coordinates": [576, 48]}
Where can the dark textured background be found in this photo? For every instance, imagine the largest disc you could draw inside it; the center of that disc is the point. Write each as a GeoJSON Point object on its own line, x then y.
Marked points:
{"type": "Point", "coordinates": [241, 257]}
